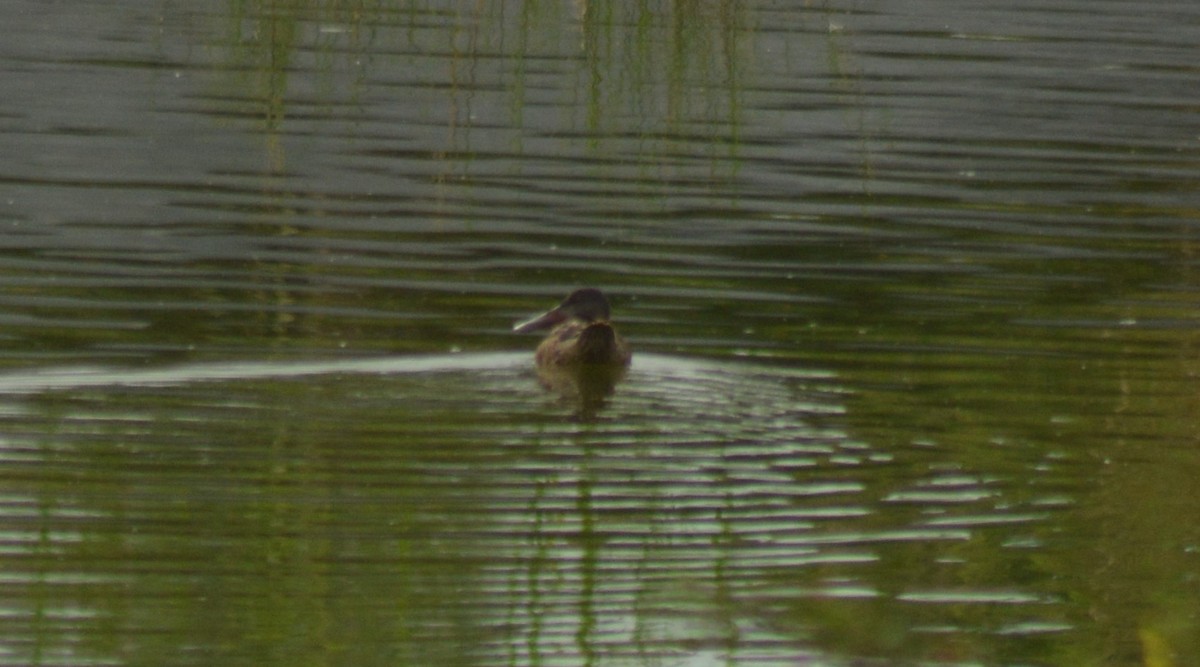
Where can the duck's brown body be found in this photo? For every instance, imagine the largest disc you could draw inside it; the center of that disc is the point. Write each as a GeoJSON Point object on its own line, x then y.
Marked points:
{"type": "Point", "coordinates": [581, 335]}
{"type": "Point", "coordinates": [583, 357]}
{"type": "Point", "coordinates": [577, 343]}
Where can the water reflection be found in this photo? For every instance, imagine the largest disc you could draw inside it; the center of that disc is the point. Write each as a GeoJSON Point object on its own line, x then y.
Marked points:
{"type": "Point", "coordinates": [633, 72]}
{"type": "Point", "coordinates": [399, 497]}
{"type": "Point", "coordinates": [448, 497]}
{"type": "Point", "coordinates": [588, 389]}
{"type": "Point", "coordinates": [976, 220]}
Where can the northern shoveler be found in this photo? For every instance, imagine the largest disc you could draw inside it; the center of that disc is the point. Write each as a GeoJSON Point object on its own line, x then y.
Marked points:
{"type": "Point", "coordinates": [582, 335]}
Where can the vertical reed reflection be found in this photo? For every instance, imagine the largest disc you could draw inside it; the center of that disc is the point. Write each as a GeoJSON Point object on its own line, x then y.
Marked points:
{"type": "Point", "coordinates": [615, 53]}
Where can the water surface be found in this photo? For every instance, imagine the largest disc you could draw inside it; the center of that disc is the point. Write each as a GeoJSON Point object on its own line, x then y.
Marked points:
{"type": "Point", "coordinates": [912, 291]}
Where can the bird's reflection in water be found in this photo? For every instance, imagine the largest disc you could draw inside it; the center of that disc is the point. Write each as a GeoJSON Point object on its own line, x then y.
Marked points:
{"type": "Point", "coordinates": [586, 388]}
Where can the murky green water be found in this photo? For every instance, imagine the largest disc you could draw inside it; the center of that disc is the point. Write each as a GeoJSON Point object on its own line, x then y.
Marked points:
{"type": "Point", "coordinates": [912, 289]}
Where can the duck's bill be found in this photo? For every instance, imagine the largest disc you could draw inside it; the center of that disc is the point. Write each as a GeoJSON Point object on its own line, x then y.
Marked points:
{"type": "Point", "coordinates": [544, 321]}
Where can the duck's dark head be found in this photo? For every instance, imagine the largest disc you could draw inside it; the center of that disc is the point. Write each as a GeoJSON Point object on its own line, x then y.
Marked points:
{"type": "Point", "coordinates": [586, 305]}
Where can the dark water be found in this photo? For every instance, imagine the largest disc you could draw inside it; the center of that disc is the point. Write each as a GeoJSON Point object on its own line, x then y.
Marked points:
{"type": "Point", "coordinates": [913, 289]}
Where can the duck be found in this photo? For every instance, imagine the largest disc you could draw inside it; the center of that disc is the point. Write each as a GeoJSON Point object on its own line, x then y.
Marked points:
{"type": "Point", "coordinates": [581, 335]}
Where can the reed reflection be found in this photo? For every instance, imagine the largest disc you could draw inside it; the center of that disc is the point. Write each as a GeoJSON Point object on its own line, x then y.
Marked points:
{"type": "Point", "coordinates": [655, 72]}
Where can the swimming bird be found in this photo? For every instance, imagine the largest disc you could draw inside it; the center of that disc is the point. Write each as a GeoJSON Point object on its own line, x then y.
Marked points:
{"type": "Point", "coordinates": [581, 335]}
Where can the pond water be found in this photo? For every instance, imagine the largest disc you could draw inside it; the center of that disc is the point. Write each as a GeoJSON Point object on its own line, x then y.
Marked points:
{"type": "Point", "coordinates": [912, 289]}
